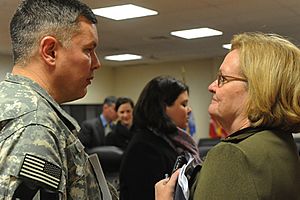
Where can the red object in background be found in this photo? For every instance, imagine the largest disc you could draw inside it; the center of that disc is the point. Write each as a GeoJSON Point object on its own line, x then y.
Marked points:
{"type": "Point", "coordinates": [216, 130]}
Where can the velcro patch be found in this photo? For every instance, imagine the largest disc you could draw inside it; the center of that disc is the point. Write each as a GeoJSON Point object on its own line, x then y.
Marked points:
{"type": "Point", "coordinates": [40, 171]}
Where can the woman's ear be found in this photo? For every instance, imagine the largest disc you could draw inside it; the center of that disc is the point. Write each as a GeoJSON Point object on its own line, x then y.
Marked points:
{"type": "Point", "coordinates": [167, 110]}
{"type": "Point", "coordinates": [48, 50]}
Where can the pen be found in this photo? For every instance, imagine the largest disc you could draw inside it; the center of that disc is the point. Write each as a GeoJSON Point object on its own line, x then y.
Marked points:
{"type": "Point", "coordinates": [166, 175]}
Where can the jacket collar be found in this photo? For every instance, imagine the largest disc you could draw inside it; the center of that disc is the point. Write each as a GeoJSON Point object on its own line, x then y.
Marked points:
{"type": "Point", "coordinates": [242, 134]}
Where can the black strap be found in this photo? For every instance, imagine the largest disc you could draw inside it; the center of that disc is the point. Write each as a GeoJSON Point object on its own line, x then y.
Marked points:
{"type": "Point", "coordinates": [26, 191]}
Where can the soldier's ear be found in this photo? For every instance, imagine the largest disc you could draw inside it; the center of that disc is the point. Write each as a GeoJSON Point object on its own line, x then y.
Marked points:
{"type": "Point", "coordinates": [48, 50]}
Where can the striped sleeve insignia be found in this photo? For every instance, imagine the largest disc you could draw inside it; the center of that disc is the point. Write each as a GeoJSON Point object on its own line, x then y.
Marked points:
{"type": "Point", "coordinates": [41, 172]}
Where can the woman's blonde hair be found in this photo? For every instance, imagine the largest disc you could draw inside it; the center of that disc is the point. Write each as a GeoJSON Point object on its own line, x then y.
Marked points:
{"type": "Point", "coordinates": [271, 65]}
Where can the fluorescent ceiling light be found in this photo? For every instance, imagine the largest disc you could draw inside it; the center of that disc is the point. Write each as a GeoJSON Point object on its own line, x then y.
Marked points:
{"type": "Point", "coordinates": [123, 57]}
{"type": "Point", "coordinates": [126, 11]}
{"type": "Point", "coordinates": [196, 33]}
{"type": "Point", "coordinates": [226, 46]}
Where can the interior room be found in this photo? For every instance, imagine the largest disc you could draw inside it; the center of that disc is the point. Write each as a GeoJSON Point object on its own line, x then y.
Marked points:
{"type": "Point", "coordinates": [194, 60]}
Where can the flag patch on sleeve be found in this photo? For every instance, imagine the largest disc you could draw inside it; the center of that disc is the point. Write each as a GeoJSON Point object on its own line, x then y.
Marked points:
{"type": "Point", "coordinates": [40, 171]}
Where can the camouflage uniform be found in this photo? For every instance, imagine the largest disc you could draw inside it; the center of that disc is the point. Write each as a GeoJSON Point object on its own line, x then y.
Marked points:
{"type": "Point", "coordinates": [33, 124]}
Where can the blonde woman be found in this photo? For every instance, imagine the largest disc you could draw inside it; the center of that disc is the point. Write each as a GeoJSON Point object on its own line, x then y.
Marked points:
{"type": "Point", "coordinates": [256, 98]}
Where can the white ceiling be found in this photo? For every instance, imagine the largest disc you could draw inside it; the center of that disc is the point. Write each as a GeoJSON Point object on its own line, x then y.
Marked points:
{"type": "Point", "coordinates": [149, 36]}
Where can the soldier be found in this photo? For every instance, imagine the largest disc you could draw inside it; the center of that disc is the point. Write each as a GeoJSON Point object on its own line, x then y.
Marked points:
{"type": "Point", "coordinates": [54, 44]}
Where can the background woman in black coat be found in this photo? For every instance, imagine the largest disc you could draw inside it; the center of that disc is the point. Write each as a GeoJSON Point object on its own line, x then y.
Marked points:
{"type": "Point", "coordinates": [159, 117]}
{"type": "Point", "coordinates": [120, 135]}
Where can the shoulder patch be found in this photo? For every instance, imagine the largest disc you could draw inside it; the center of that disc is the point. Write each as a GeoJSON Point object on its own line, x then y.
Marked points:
{"type": "Point", "coordinates": [41, 172]}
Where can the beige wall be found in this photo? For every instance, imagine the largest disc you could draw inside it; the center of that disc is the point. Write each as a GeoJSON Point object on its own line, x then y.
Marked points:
{"type": "Point", "coordinates": [5, 65]}
{"type": "Point", "coordinates": [129, 81]}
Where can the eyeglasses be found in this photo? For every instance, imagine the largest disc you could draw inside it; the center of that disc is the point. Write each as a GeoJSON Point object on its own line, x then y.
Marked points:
{"type": "Point", "coordinates": [222, 79]}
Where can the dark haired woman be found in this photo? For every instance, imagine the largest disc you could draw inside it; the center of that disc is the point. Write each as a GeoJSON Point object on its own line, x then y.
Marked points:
{"type": "Point", "coordinates": [159, 117]}
{"type": "Point", "coordinates": [120, 135]}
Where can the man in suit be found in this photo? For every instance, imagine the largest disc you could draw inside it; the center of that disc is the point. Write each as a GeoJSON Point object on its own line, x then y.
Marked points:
{"type": "Point", "coordinates": [93, 131]}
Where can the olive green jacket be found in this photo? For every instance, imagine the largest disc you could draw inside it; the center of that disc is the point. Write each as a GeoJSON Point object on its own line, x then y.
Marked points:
{"type": "Point", "coordinates": [250, 164]}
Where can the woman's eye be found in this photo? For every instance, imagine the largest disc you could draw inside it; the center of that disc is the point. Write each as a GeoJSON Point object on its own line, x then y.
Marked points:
{"type": "Point", "coordinates": [223, 80]}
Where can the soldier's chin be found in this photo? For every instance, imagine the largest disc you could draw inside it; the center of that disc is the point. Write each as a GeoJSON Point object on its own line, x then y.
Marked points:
{"type": "Point", "coordinates": [79, 95]}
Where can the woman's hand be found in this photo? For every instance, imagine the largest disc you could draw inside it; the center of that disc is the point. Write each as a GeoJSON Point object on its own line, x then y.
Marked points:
{"type": "Point", "coordinates": [164, 189]}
